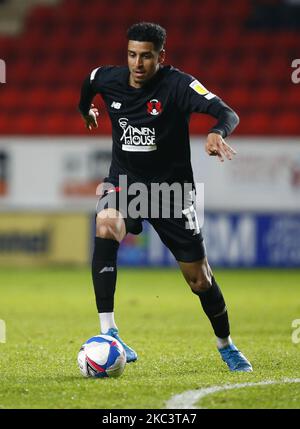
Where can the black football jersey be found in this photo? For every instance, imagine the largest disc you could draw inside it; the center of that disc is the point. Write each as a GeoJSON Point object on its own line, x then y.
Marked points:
{"type": "Point", "coordinates": [150, 125]}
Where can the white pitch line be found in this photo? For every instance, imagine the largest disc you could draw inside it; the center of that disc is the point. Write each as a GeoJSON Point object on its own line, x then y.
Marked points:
{"type": "Point", "coordinates": [186, 400]}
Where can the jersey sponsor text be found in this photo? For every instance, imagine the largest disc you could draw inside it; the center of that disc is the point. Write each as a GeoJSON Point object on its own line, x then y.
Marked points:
{"type": "Point", "coordinates": [137, 139]}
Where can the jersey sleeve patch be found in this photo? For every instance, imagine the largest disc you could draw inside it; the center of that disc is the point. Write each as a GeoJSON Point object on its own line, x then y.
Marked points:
{"type": "Point", "coordinates": [200, 89]}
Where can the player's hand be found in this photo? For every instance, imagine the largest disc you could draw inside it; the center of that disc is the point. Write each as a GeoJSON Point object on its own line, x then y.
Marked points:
{"type": "Point", "coordinates": [91, 118]}
{"type": "Point", "coordinates": [216, 146]}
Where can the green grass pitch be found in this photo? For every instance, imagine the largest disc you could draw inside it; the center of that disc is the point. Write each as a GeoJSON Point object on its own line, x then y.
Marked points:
{"type": "Point", "coordinates": [50, 313]}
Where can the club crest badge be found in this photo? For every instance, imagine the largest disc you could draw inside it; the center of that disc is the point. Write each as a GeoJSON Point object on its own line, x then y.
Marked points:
{"type": "Point", "coordinates": [154, 107]}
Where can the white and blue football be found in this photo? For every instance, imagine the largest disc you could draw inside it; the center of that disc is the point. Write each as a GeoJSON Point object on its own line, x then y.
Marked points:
{"type": "Point", "coordinates": [101, 356]}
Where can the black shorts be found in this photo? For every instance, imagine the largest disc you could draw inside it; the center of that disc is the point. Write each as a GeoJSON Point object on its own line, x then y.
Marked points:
{"type": "Point", "coordinates": [181, 235]}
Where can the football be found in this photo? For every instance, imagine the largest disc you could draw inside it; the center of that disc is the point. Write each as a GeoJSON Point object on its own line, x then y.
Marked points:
{"type": "Point", "coordinates": [101, 356]}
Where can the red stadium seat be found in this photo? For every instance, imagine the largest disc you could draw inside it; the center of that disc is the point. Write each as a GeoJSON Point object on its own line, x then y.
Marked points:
{"type": "Point", "coordinates": [65, 99]}
{"type": "Point", "coordinates": [27, 123]}
{"type": "Point", "coordinates": [61, 44]}
{"type": "Point", "coordinates": [201, 124]}
{"type": "Point", "coordinates": [291, 97]}
{"type": "Point", "coordinates": [36, 99]}
{"type": "Point", "coordinates": [259, 123]}
{"type": "Point", "coordinates": [55, 124]}
{"type": "Point", "coordinates": [10, 98]}
{"type": "Point", "coordinates": [267, 98]}
{"type": "Point", "coordinates": [240, 98]}
{"type": "Point", "coordinates": [287, 123]}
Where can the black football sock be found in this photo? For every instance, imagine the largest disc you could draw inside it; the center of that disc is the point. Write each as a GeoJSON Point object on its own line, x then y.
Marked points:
{"type": "Point", "coordinates": [104, 273]}
{"type": "Point", "coordinates": [215, 308]}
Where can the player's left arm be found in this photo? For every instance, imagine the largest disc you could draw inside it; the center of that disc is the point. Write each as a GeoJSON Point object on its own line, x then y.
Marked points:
{"type": "Point", "coordinates": [227, 122]}
{"type": "Point", "coordinates": [194, 97]}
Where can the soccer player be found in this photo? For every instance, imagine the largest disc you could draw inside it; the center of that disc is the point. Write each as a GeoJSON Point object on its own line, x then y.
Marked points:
{"type": "Point", "coordinates": [149, 105]}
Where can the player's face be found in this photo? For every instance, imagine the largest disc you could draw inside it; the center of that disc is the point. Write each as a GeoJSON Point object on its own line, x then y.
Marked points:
{"type": "Point", "coordinates": [143, 62]}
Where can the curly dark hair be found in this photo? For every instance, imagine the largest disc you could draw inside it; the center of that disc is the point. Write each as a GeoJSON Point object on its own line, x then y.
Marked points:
{"type": "Point", "coordinates": [148, 32]}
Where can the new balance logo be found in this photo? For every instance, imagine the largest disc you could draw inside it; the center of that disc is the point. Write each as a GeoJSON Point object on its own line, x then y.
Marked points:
{"type": "Point", "coordinates": [107, 269]}
{"type": "Point", "coordinates": [116, 105]}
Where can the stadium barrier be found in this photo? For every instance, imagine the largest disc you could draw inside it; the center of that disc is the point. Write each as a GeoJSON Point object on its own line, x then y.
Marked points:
{"type": "Point", "coordinates": [232, 240]}
{"type": "Point", "coordinates": [252, 204]}
{"type": "Point", "coordinates": [31, 239]}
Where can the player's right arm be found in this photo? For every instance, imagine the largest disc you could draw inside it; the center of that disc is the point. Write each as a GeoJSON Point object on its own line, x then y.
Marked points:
{"type": "Point", "coordinates": [88, 112]}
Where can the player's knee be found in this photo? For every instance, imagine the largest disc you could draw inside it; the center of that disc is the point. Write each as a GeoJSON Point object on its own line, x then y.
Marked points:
{"type": "Point", "coordinates": [199, 284]}
{"type": "Point", "coordinates": [107, 229]}
{"type": "Point", "coordinates": [109, 225]}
